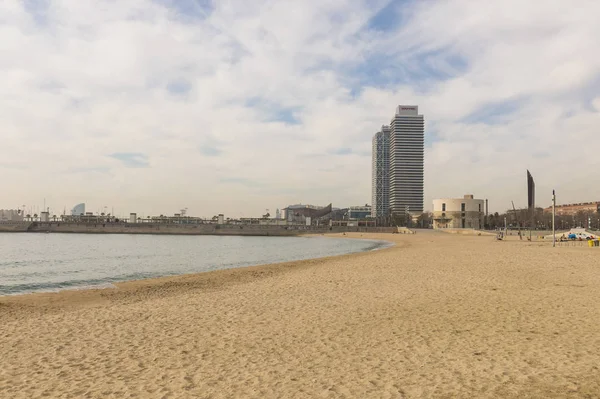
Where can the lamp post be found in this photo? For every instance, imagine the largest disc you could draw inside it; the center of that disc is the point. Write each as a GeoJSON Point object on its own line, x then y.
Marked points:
{"type": "Point", "coordinates": [553, 218]}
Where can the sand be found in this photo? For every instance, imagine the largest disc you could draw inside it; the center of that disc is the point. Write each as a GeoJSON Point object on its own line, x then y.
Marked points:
{"type": "Point", "coordinates": [436, 316]}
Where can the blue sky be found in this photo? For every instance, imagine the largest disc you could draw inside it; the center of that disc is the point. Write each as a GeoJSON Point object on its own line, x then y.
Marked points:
{"type": "Point", "coordinates": [236, 107]}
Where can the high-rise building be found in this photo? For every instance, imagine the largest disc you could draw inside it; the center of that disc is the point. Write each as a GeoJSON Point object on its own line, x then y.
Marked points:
{"type": "Point", "coordinates": [406, 168]}
{"type": "Point", "coordinates": [78, 210]}
{"type": "Point", "coordinates": [381, 169]}
{"type": "Point", "coordinates": [530, 191]}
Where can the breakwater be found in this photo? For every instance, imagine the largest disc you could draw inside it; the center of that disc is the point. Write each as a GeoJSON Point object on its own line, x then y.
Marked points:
{"type": "Point", "coordinates": [14, 227]}
{"type": "Point", "coordinates": [182, 229]}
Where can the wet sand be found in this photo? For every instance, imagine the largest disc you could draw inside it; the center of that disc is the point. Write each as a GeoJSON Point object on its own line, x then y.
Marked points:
{"type": "Point", "coordinates": [438, 315]}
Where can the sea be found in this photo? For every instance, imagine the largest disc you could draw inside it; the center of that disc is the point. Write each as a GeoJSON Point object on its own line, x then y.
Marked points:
{"type": "Point", "coordinates": [41, 262]}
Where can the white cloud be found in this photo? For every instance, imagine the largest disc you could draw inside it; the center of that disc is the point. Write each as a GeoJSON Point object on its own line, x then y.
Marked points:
{"type": "Point", "coordinates": [203, 98]}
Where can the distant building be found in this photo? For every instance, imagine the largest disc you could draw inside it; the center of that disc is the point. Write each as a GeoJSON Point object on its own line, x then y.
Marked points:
{"type": "Point", "coordinates": [398, 164]}
{"type": "Point", "coordinates": [407, 148]}
{"type": "Point", "coordinates": [359, 212]}
{"type": "Point", "coordinates": [11, 215]}
{"type": "Point", "coordinates": [337, 214]}
{"type": "Point", "coordinates": [380, 182]}
{"type": "Point", "coordinates": [572, 209]}
{"type": "Point", "coordinates": [78, 210]}
{"type": "Point", "coordinates": [458, 213]}
{"type": "Point", "coordinates": [299, 213]}
{"type": "Point", "coordinates": [530, 192]}
{"type": "Point", "coordinates": [88, 217]}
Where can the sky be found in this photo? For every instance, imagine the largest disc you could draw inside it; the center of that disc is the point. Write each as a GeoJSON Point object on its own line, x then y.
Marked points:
{"type": "Point", "coordinates": [235, 107]}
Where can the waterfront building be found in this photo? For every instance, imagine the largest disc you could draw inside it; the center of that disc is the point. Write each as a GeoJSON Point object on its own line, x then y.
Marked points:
{"type": "Point", "coordinates": [458, 213]}
{"type": "Point", "coordinates": [406, 164]}
{"type": "Point", "coordinates": [380, 183]}
{"type": "Point", "coordinates": [78, 210]}
{"type": "Point", "coordinates": [299, 213]}
{"type": "Point", "coordinates": [11, 215]}
{"type": "Point", "coordinates": [359, 212]}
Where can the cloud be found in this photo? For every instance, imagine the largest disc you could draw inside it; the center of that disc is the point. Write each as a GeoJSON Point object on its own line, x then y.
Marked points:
{"type": "Point", "coordinates": [131, 159]}
{"type": "Point", "coordinates": [90, 170]}
{"type": "Point", "coordinates": [341, 151]}
{"type": "Point", "coordinates": [210, 151]}
{"type": "Point", "coordinates": [211, 146]}
{"type": "Point", "coordinates": [221, 93]}
{"type": "Point", "coordinates": [179, 87]}
{"type": "Point", "coordinates": [239, 181]}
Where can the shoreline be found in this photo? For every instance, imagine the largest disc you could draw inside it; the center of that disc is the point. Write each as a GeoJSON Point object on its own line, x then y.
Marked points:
{"type": "Point", "coordinates": [148, 283]}
{"type": "Point", "coordinates": [180, 229]}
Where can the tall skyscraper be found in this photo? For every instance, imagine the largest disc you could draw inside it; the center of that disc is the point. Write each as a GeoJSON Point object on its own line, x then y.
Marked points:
{"type": "Point", "coordinates": [406, 167]}
{"type": "Point", "coordinates": [381, 169]}
{"type": "Point", "coordinates": [530, 191]}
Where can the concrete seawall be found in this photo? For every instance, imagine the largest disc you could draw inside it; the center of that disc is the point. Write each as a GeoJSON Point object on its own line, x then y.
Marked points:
{"type": "Point", "coordinates": [14, 227]}
{"type": "Point", "coordinates": [185, 229]}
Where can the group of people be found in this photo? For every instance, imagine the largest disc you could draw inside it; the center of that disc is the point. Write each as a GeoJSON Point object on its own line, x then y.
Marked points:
{"type": "Point", "coordinates": [576, 237]}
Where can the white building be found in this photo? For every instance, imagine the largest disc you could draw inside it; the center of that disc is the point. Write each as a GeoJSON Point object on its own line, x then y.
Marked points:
{"type": "Point", "coordinates": [458, 213]}
{"type": "Point", "coordinates": [10, 215]}
{"type": "Point", "coordinates": [407, 148]}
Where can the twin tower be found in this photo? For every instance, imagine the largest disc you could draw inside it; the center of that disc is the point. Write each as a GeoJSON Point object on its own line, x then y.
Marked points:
{"type": "Point", "coordinates": [398, 164]}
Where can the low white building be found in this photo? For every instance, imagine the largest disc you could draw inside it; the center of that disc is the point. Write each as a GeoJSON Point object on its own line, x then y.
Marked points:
{"type": "Point", "coordinates": [10, 215]}
{"type": "Point", "coordinates": [458, 213]}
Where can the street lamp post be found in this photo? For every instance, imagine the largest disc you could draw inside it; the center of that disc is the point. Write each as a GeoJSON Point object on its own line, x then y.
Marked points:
{"type": "Point", "coordinates": [553, 218]}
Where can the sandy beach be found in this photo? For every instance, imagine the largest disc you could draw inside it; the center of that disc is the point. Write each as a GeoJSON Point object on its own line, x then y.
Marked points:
{"type": "Point", "coordinates": [436, 316]}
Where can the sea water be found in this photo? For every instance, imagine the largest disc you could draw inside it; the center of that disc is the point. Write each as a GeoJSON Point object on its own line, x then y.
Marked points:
{"type": "Point", "coordinates": [38, 262]}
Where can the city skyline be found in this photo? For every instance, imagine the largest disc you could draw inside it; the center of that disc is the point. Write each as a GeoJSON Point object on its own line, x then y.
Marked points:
{"type": "Point", "coordinates": [151, 106]}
